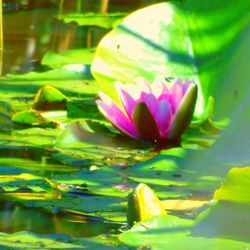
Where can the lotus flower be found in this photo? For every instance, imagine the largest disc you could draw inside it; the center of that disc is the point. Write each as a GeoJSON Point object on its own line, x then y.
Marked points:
{"type": "Point", "coordinates": [154, 112]}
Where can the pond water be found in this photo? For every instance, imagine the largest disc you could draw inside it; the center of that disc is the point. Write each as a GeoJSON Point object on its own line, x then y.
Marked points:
{"type": "Point", "coordinates": [31, 29]}
{"type": "Point", "coordinates": [15, 217]}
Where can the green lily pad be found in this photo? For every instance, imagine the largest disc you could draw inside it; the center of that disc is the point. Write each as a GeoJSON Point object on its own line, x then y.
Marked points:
{"type": "Point", "coordinates": [93, 175]}
{"type": "Point", "coordinates": [235, 186]}
{"type": "Point", "coordinates": [169, 232]}
{"type": "Point", "coordinates": [182, 40]}
{"type": "Point", "coordinates": [226, 220]}
{"type": "Point", "coordinates": [80, 108]}
{"type": "Point", "coordinates": [28, 240]}
{"type": "Point", "coordinates": [5, 108]}
{"type": "Point", "coordinates": [93, 19]}
{"type": "Point", "coordinates": [5, 117]}
{"type": "Point", "coordinates": [49, 98]}
{"type": "Point", "coordinates": [78, 56]}
{"type": "Point", "coordinates": [32, 118]}
{"type": "Point", "coordinates": [67, 72]}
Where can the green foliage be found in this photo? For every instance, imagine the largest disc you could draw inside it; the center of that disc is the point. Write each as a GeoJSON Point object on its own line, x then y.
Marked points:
{"type": "Point", "coordinates": [77, 181]}
{"type": "Point", "coordinates": [68, 72]}
{"type": "Point", "coordinates": [192, 39]}
{"type": "Point", "coordinates": [105, 21]}
{"type": "Point", "coordinates": [49, 98]}
{"type": "Point", "coordinates": [174, 233]}
{"type": "Point", "coordinates": [78, 56]}
{"type": "Point", "coordinates": [231, 208]}
{"type": "Point", "coordinates": [212, 229]}
{"type": "Point", "coordinates": [27, 240]}
{"type": "Point", "coordinates": [5, 117]}
{"type": "Point", "coordinates": [32, 118]}
{"type": "Point", "coordinates": [235, 187]}
{"type": "Point", "coordinates": [224, 220]}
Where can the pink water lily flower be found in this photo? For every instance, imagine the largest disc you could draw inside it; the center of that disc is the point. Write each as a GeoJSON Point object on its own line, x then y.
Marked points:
{"type": "Point", "coordinates": [154, 112]}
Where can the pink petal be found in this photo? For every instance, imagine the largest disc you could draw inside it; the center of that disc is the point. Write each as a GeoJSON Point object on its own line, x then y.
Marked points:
{"type": "Point", "coordinates": [163, 117]}
{"type": "Point", "coordinates": [127, 100]}
{"type": "Point", "coordinates": [116, 116]}
{"type": "Point", "coordinates": [187, 85]}
{"type": "Point", "coordinates": [176, 94]}
{"type": "Point", "coordinates": [161, 92]}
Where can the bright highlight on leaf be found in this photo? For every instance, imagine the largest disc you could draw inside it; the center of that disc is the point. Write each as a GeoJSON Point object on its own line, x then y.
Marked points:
{"type": "Point", "coordinates": [235, 187]}
{"type": "Point", "coordinates": [143, 204]}
{"type": "Point", "coordinates": [154, 112]}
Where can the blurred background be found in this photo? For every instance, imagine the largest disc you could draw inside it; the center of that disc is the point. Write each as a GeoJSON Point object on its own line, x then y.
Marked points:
{"type": "Point", "coordinates": [30, 28]}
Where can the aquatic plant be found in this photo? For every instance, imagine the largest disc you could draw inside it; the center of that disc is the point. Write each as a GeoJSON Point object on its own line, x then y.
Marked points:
{"type": "Point", "coordinates": [155, 113]}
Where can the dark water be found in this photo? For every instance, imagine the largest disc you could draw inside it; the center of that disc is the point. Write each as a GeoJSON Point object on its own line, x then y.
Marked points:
{"type": "Point", "coordinates": [15, 217]}
{"type": "Point", "coordinates": [31, 29]}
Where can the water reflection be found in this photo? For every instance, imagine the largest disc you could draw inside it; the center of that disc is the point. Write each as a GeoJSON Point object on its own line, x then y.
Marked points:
{"type": "Point", "coordinates": [31, 28]}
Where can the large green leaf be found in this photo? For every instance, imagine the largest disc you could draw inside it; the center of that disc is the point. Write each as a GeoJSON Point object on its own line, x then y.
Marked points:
{"type": "Point", "coordinates": [232, 208]}
{"type": "Point", "coordinates": [169, 232]}
{"type": "Point", "coordinates": [192, 39]}
{"type": "Point", "coordinates": [235, 187]}
{"type": "Point", "coordinates": [224, 219]}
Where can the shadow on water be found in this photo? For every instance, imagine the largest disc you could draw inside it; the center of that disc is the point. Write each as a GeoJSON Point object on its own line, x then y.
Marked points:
{"type": "Point", "coordinates": [15, 217]}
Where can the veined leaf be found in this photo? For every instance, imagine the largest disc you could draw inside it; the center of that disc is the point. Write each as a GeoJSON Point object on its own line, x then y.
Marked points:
{"type": "Point", "coordinates": [191, 39]}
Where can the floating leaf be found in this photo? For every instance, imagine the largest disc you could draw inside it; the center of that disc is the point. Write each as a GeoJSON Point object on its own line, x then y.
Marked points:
{"type": "Point", "coordinates": [5, 117]}
{"type": "Point", "coordinates": [83, 56]}
{"type": "Point", "coordinates": [32, 118]}
{"type": "Point", "coordinates": [93, 19]}
{"type": "Point", "coordinates": [67, 72]}
{"type": "Point", "coordinates": [49, 98]}
{"type": "Point", "coordinates": [5, 108]}
{"type": "Point", "coordinates": [28, 240]}
{"type": "Point", "coordinates": [224, 219]}
{"type": "Point", "coordinates": [27, 187]}
{"type": "Point", "coordinates": [90, 132]}
{"type": "Point", "coordinates": [169, 232]}
{"type": "Point", "coordinates": [83, 109]}
{"type": "Point", "coordinates": [235, 186]}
